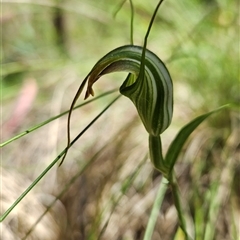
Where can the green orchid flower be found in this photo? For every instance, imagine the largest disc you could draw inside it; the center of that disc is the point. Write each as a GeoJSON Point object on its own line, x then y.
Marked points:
{"type": "Point", "coordinates": [148, 85]}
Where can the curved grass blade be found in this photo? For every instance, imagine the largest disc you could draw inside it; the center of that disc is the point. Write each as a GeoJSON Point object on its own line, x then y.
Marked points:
{"type": "Point", "coordinates": [177, 144]}
{"type": "Point", "coordinates": [52, 119]}
{"type": "Point", "coordinates": [4, 215]}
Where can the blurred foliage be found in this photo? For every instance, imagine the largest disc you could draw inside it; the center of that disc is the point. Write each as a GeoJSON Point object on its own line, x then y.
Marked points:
{"type": "Point", "coordinates": [57, 43]}
{"type": "Point", "coordinates": [199, 38]}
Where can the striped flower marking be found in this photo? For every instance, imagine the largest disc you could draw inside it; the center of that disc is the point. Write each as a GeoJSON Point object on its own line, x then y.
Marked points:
{"type": "Point", "coordinates": [148, 85]}
{"type": "Point", "coordinates": [151, 90]}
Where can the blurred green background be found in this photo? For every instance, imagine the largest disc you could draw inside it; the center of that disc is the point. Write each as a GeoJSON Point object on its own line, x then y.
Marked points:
{"type": "Point", "coordinates": [198, 39]}
{"type": "Point", "coordinates": [48, 47]}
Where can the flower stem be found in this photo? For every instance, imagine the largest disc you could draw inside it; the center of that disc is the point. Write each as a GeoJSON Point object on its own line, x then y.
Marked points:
{"type": "Point", "coordinates": [155, 209]}
{"type": "Point", "coordinates": [179, 206]}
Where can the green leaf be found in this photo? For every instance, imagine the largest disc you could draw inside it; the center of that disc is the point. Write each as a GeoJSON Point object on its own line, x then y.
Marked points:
{"type": "Point", "coordinates": [177, 144]}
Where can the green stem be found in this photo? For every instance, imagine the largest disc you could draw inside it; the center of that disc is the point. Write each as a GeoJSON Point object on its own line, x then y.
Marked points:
{"type": "Point", "coordinates": [131, 23]}
{"type": "Point", "coordinates": [178, 205]}
{"type": "Point", "coordinates": [155, 152]}
{"type": "Point", "coordinates": [155, 209]}
{"type": "Point", "coordinates": [146, 37]}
